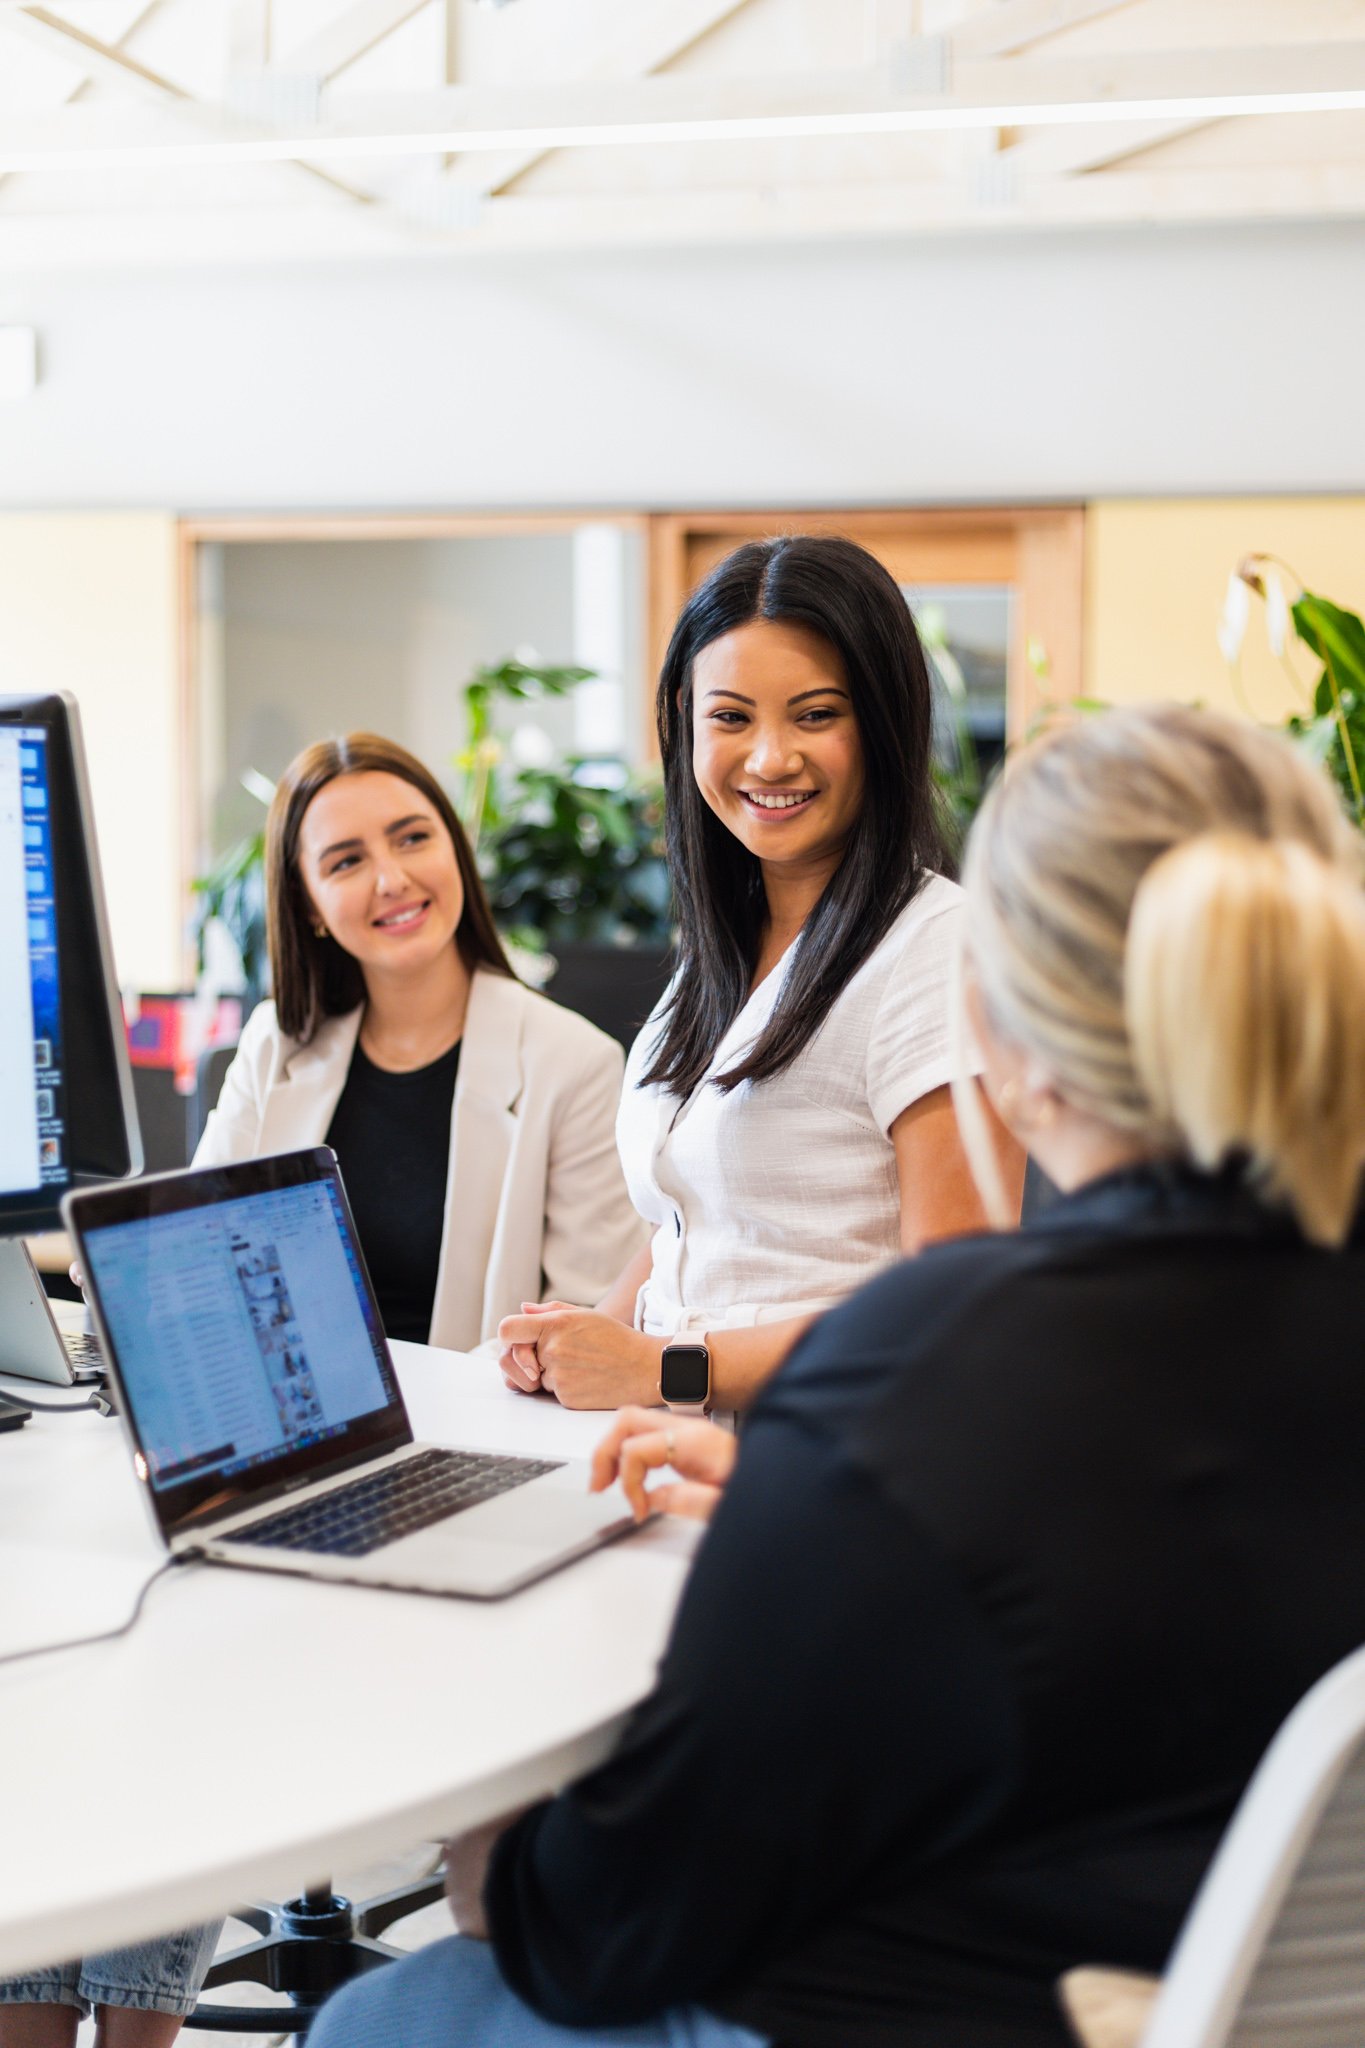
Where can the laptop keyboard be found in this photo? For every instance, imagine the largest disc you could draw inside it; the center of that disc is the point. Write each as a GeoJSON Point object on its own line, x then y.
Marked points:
{"type": "Point", "coordinates": [353, 1520]}
{"type": "Point", "coordinates": [82, 1349]}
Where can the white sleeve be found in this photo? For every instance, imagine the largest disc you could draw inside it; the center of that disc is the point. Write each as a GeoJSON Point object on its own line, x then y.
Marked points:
{"type": "Point", "coordinates": [911, 1049]}
{"type": "Point", "coordinates": [233, 1129]}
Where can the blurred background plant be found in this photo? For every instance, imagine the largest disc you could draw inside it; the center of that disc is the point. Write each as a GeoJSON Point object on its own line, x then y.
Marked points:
{"type": "Point", "coordinates": [520, 679]}
{"type": "Point", "coordinates": [1331, 724]}
{"type": "Point", "coordinates": [230, 899]}
{"type": "Point", "coordinates": [572, 852]}
{"type": "Point", "coordinates": [956, 765]}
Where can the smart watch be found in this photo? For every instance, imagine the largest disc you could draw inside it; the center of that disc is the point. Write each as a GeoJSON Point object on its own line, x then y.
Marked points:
{"type": "Point", "coordinates": [685, 1378]}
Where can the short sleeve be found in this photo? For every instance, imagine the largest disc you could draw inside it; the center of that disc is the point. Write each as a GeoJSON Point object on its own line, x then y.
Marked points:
{"type": "Point", "coordinates": [911, 1048]}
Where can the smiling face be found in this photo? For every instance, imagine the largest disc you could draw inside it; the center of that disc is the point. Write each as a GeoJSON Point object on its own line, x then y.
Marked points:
{"type": "Point", "coordinates": [776, 750]}
{"type": "Point", "coordinates": [379, 870]}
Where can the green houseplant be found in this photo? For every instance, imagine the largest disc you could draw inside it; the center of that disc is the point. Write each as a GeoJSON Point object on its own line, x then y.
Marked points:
{"type": "Point", "coordinates": [1331, 723]}
{"type": "Point", "coordinates": [572, 854]}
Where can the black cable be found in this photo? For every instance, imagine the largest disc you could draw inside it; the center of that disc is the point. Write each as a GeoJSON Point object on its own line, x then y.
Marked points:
{"type": "Point", "coordinates": [107, 1635]}
{"type": "Point", "coordinates": [100, 1402]}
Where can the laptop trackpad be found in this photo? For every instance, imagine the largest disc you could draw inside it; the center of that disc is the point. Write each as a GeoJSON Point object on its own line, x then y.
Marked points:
{"type": "Point", "coordinates": [507, 1542]}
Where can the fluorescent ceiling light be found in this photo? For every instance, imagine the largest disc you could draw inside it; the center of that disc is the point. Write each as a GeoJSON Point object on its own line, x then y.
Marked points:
{"type": "Point", "coordinates": [338, 146]}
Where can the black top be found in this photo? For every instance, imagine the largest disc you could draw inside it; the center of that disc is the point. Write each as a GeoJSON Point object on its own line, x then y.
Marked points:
{"type": "Point", "coordinates": [391, 1135]}
{"type": "Point", "coordinates": [1030, 1547]}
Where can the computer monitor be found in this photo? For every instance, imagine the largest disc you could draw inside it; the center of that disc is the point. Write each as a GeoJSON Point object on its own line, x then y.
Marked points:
{"type": "Point", "coordinates": [67, 1116]}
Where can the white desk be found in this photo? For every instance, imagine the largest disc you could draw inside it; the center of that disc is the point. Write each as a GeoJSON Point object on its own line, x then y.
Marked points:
{"type": "Point", "coordinates": [255, 1733]}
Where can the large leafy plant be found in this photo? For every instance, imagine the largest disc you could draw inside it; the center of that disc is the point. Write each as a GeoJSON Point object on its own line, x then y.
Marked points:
{"type": "Point", "coordinates": [577, 859]}
{"type": "Point", "coordinates": [484, 753]}
{"type": "Point", "coordinates": [1331, 723]}
{"type": "Point", "coordinates": [571, 852]}
{"type": "Point", "coordinates": [232, 894]}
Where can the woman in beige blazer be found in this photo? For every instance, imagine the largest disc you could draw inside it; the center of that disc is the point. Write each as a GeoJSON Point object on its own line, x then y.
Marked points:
{"type": "Point", "coordinates": [385, 959]}
{"type": "Point", "coordinates": [398, 1021]}
{"type": "Point", "coordinates": [536, 1205]}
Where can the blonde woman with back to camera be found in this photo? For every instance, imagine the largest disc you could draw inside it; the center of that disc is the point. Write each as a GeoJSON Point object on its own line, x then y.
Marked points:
{"type": "Point", "coordinates": [1029, 1547]}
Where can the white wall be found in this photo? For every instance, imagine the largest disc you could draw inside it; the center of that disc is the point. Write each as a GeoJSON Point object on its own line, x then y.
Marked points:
{"type": "Point", "coordinates": [328, 637]}
{"type": "Point", "coordinates": [1061, 366]}
{"type": "Point", "coordinates": [87, 604]}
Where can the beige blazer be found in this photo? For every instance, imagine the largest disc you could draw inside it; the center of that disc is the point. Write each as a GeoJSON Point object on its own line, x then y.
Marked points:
{"type": "Point", "coordinates": [536, 1203]}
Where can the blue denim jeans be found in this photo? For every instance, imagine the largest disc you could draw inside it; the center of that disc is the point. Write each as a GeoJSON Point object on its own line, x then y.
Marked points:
{"type": "Point", "coordinates": [152, 1976]}
{"type": "Point", "coordinates": [451, 1995]}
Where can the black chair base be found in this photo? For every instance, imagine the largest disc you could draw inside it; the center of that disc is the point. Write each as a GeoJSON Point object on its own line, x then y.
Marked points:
{"type": "Point", "coordinates": [307, 1949]}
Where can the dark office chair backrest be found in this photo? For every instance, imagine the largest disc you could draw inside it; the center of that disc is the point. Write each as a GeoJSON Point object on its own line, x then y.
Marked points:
{"type": "Point", "coordinates": [213, 1066]}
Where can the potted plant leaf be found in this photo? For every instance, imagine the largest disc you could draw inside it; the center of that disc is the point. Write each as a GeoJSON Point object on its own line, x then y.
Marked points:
{"type": "Point", "coordinates": [1331, 723]}
{"type": "Point", "coordinates": [572, 854]}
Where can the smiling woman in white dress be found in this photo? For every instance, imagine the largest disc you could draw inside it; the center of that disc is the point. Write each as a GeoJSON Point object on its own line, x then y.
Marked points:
{"type": "Point", "coordinates": [786, 1124]}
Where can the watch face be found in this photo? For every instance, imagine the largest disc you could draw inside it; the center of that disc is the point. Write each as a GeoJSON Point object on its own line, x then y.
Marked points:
{"type": "Point", "coordinates": [686, 1373]}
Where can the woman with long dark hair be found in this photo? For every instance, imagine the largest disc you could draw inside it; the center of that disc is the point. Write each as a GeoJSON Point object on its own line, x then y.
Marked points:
{"type": "Point", "coordinates": [786, 1124]}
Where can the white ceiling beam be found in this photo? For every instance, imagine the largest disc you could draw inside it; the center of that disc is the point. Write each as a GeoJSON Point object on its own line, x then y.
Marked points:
{"type": "Point", "coordinates": [112, 63]}
{"type": "Point", "coordinates": [735, 216]}
{"type": "Point", "coordinates": [1004, 26]}
{"type": "Point", "coordinates": [356, 31]}
{"type": "Point", "coordinates": [107, 62]}
{"type": "Point", "coordinates": [477, 118]}
{"type": "Point", "coordinates": [249, 35]}
{"type": "Point", "coordinates": [1071, 152]}
{"type": "Point", "coordinates": [641, 41]}
{"type": "Point", "coordinates": [81, 81]}
{"type": "Point", "coordinates": [1115, 198]}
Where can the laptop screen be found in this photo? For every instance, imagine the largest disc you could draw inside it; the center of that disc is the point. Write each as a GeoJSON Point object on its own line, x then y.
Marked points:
{"type": "Point", "coordinates": [244, 1333]}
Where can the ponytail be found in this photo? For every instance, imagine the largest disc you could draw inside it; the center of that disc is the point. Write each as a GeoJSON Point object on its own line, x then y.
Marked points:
{"type": "Point", "coordinates": [1166, 912]}
{"type": "Point", "coordinates": [1244, 996]}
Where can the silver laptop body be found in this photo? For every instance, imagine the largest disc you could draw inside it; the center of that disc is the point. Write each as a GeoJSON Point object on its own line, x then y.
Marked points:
{"type": "Point", "coordinates": [255, 1383]}
{"type": "Point", "coordinates": [33, 1344]}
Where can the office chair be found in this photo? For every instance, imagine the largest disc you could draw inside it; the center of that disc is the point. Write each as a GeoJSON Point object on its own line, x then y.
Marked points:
{"type": "Point", "coordinates": [1273, 1948]}
{"type": "Point", "coordinates": [308, 1948]}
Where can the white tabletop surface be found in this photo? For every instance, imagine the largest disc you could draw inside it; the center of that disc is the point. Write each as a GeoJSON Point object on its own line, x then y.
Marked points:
{"type": "Point", "coordinates": [254, 1733]}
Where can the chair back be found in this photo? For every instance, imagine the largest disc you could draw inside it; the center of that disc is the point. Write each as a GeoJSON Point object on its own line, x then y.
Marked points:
{"type": "Point", "coordinates": [1273, 1949]}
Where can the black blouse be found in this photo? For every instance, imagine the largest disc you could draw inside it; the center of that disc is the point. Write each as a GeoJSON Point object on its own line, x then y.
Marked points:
{"type": "Point", "coordinates": [391, 1135]}
{"type": "Point", "coordinates": [1030, 1547]}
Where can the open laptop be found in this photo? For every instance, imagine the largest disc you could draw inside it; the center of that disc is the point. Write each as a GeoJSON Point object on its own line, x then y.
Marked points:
{"type": "Point", "coordinates": [33, 1343]}
{"type": "Point", "coordinates": [261, 1403]}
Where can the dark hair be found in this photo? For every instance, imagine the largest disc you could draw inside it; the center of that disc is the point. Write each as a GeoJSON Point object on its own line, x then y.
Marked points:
{"type": "Point", "coordinates": [836, 589]}
{"type": "Point", "coordinates": [315, 978]}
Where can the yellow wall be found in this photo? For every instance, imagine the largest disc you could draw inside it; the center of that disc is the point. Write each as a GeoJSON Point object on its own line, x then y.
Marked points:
{"type": "Point", "coordinates": [88, 604]}
{"type": "Point", "coordinates": [1156, 572]}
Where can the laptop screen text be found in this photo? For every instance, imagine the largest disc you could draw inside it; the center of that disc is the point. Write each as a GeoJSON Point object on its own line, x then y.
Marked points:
{"type": "Point", "coordinates": [244, 1335]}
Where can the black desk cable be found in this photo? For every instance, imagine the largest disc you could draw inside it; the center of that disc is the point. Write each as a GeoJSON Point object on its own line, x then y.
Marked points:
{"type": "Point", "coordinates": [102, 1403]}
{"type": "Point", "coordinates": [107, 1635]}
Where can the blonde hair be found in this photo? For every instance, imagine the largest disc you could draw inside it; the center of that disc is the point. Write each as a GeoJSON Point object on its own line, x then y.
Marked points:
{"type": "Point", "coordinates": [1167, 913]}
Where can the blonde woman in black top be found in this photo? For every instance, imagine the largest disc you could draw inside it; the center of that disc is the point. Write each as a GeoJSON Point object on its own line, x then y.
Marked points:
{"type": "Point", "coordinates": [1030, 1546]}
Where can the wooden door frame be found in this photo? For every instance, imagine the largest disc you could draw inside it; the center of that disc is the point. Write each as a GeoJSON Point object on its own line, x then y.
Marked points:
{"type": "Point", "coordinates": [194, 530]}
{"type": "Point", "coordinates": [1048, 566]}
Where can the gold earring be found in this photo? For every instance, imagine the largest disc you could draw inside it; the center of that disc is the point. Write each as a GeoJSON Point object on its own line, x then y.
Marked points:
{"type": "Point", "coordinates": [319, 931]}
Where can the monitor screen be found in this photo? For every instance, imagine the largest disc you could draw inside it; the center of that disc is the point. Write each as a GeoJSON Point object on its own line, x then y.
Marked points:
{"type": "Point", "coordinates": [243, 1329]}
{"type": "Point", "coordinates": [33, 1152]}
{"type": "Point", "coordinates": [66, 1104]}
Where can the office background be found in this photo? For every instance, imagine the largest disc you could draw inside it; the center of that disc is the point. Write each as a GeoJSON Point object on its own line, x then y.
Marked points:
{"type": "Point", "coordinates": [230, 358]}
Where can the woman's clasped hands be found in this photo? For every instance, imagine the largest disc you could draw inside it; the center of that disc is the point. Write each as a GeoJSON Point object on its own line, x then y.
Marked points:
{"type": "Point", "coordinates": [585, 1358]}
